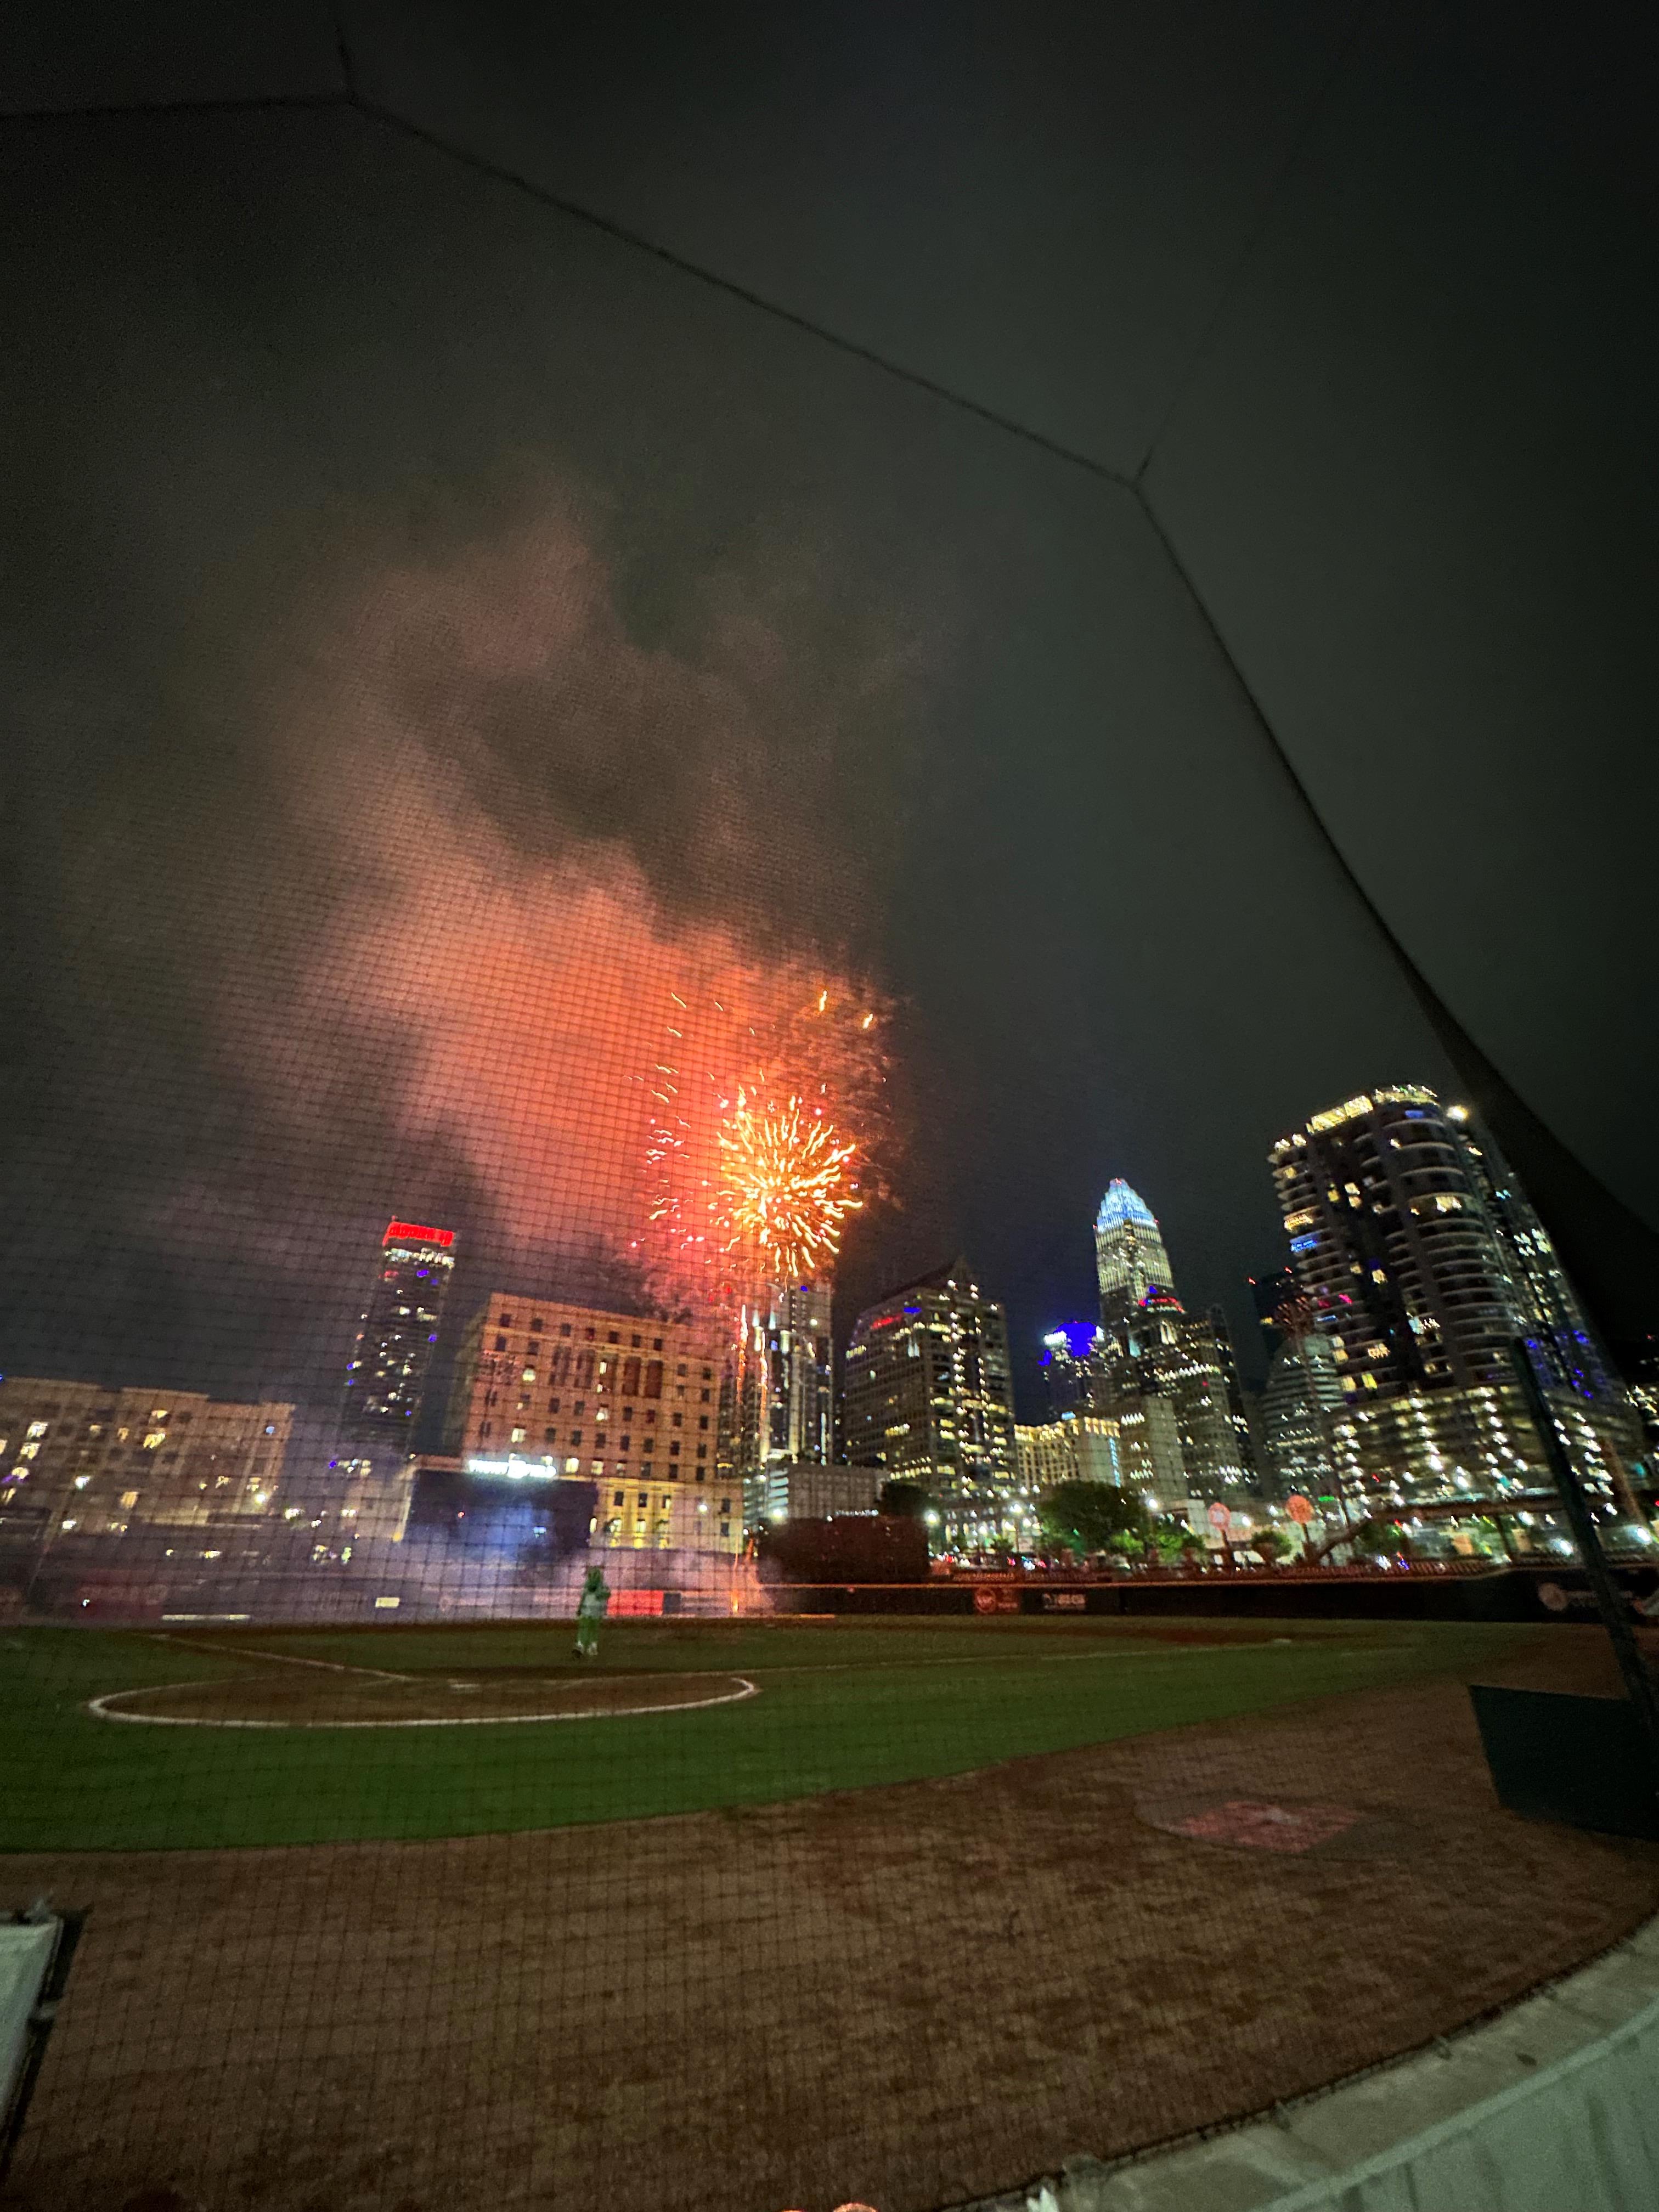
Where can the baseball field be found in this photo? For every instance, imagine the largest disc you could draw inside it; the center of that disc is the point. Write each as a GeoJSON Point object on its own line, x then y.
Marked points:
{"type": "Point", "coordinates": [753, 1914]}
{"type": "Point", "coordinates": [216, 1738]}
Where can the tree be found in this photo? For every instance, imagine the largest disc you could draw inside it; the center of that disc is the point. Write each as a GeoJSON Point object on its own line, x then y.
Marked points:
{"type": "Point", "coordinates": [1173, 1540]}
{"type": "Point", "coordinates": [1378, 1539]}
{"type": "Point", "coordinates": [1086, 1517]}
{"type": "Point", "coordinates": [1270, 1545]}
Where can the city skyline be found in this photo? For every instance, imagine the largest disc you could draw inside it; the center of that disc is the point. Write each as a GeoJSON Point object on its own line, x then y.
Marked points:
{"type": "Point", "coordinates": [1028, 1335]}
{"type": "Point", "coordinates": [405, 831]}
{"type": "Point", "coordinates": [1414, 1260]}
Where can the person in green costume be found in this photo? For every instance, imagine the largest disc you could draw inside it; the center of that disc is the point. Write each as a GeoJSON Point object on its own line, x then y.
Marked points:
{"type": "Point", "coordinates": [589, 1612]}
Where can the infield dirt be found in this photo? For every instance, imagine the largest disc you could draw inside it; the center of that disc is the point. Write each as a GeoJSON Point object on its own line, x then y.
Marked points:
{"type": "Point", "coordinates": [909, 1996]}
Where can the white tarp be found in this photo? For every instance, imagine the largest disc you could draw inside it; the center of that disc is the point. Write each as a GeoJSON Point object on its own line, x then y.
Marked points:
{"type": "Point", "coordinates": [1580, 2135]}
{"type": "Point", "coordinates": [1553, 2106]}
{"type": "Point", "coordinates": [25, 1954]}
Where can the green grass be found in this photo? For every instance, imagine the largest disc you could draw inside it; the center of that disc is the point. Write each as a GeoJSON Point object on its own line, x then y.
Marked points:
{"type": "Point", "coordinates": [841, 1706]}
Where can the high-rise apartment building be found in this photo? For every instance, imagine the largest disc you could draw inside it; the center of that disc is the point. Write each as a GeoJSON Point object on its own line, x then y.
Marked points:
{"type": "Point", "coordinates": [928, 1395]}
{"type": "Point", "coordinates": [544, 1390]}
{"type": "Point", "coordinates": [82, 1457]}
{"type": "Point", "coordinates": [385, 1378]}
{"type": "Point", "coordinates": [1571, 1355]}
{"type": "Point", "coordinates": [1391, 1242]}
{"type": "Point", "coordinates": [1129, 1255]}
{"type": "Point", "coordinates": [1423, 1265]}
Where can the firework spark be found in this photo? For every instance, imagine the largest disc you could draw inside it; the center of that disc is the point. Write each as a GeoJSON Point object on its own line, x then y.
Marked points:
{"type": "Point", "coordinates": [785, 1187]}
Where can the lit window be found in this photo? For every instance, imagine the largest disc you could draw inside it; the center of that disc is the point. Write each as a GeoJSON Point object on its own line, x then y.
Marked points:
{"type": "Point", "coordinates": [37, 1428]}
{"type": "Point", "coordinates": [529, 1374]}
{"type": "Point", "coordinates": [518, 1437]}
{"type": "Point", "coordinates": [28, 1451]}
{"type": "Point", "coordinates": [155, 1439]}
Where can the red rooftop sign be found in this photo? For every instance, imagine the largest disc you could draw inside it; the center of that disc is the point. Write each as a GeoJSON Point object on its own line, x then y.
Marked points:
{"type": "Point", "coordinates": [411, 1232]}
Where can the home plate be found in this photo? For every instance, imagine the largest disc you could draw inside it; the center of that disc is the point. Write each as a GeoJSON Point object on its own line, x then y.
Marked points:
{"type": "Point", "coordinates": [1265, 1823]}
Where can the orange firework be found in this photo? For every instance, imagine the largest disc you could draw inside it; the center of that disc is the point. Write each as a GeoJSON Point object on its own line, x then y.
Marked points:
{"type": "Point", "coordinates": [769, 1123]}
{"type": "Point", "coordinates": [785, 1189]}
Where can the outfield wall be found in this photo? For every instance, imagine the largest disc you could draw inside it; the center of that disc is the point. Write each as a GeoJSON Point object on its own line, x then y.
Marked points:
{"type": "Point", "coordinates": [1517, 1594]}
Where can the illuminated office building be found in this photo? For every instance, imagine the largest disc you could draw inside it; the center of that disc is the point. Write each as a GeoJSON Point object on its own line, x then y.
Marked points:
{"type": "Point", "coordinates": [783, 1389]}
{"type": "Point", "coordinates": [1129, 1255]}
{"type": "Point", "coordinates": [1157, 1369]}
{"type": "Point", "coordinates": [370, 1478]}
{"type": "Point", "coordinates": [1077, 1447]}
{"type": "Point", "coordinates": [1300, 1400]}
{"type": "Point", "coordinates": [927, 1396]}
{"type": "Point", "coordinates": [1068, 1354]}
{"type": "Point", "coordinates": [385, 1379]}
{"type": "Point", "coordinates": [579, 1391]}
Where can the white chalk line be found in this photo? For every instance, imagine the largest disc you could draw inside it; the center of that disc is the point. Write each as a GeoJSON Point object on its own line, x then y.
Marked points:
{"type": "Point", "coordinates": [102, 1709]}
{"type": "Point", "coordinates": [283, 1658]}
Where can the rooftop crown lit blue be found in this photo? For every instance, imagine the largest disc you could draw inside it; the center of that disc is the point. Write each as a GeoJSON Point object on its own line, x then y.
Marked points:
{"type": "Point", "coordinates": [1121, 1204]}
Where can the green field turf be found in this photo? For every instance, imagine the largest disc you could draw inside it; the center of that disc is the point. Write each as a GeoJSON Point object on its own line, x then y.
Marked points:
{"type": "Point", "coordinates": [841, 1706]}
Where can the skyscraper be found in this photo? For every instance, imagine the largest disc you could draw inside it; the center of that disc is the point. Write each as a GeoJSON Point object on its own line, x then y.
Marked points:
{"type": "Point", "coordinates": [784, 1385]}
{"type": "Point", "coordinates": [372, 1472]}
{"type": "Point", "coordinates": [1573, 1356]}
{"type": "Point", "coordinates": [1166, 1375]}
{"type": "Point", "coordinates": [1300, 1400]}
{"type": "Point", "coordinates": [1158, 1357]}
{"type": "Point", "coordinates": [1066, 1354]}
{"type": "Point", "coordinates": [386, 1380]}
{"type": "Point", "coordinates": [1129, 1255]}
{"type": "Point", "coordinates": [1403, 1237]}
{"type": "Point", "coordinates": [928, 1395]}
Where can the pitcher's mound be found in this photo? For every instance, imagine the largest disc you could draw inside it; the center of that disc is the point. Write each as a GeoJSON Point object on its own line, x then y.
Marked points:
{"type": "Point", "coordinates": [329, 1700]}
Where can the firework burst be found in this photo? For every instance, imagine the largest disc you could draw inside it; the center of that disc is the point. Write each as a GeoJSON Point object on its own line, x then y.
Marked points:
{"type": "Point", "coordinates": [785, 1187]}
{"type": "Point", "coordinates": [769, 1126]}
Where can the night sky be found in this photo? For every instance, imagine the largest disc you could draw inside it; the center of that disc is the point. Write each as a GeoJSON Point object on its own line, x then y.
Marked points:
{"type": "Point", "coordinates": [435, 625]}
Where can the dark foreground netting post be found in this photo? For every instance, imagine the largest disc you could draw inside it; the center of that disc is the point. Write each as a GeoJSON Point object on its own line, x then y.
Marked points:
{"type": "Point", "coordinates": [1588, 1760]}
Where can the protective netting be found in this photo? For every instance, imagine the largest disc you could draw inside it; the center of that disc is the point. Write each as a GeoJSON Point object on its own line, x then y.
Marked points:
{"type": "Point", "coordinates": [573, 842]}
